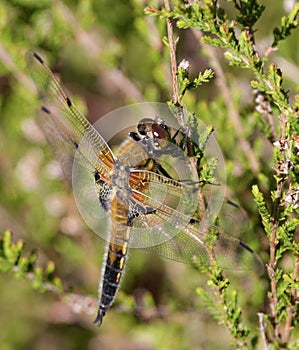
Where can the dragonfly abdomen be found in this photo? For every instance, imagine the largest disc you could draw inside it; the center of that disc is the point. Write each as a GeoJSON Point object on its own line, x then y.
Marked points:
{"type": "Point", "coordinates": [113, 271]}
{"type": "Point", "coordinates": [116, 257]}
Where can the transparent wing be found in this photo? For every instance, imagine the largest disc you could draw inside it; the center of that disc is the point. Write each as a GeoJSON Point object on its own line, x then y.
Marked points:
{"type": "Point", "coordinates": [193, 245]}
{"type": "Point", "coordinates": [66, 129]}
{"type": "Point", "coordinates": [61, 145]}
{"type": "Point", "coordinates": [158, 191]}
{"type": "Point", "coordinates": [160, 207]}
{"type": "Point", "coordinates": [174, 235]}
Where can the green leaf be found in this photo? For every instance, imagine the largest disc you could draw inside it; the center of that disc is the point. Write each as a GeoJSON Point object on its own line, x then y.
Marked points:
{"type": "Point", "coordinates": [263, 210]}
{"type": "Point", "coordinates": [287, 24]}
{"type": "Point", "coordinates": [249, 12]}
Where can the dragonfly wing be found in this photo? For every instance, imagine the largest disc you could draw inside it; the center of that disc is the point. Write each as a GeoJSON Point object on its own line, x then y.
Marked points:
{"type": "Point", "coordinates": [75, 131]}
{"type": "Point", "coordinates": [159, 205]}
{"type": "Point", "coordinates": [177, 236]}
{"type": "Point", "coordinates": [61, 146]}
{"type": "Point", "coordinates": [163, 192]}
{"type": "Point", "coordinates": [193, 246]}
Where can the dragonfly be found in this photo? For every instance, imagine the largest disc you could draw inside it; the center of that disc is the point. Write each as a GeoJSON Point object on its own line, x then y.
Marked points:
{"type": "Point", "coordinates": [145, 204]}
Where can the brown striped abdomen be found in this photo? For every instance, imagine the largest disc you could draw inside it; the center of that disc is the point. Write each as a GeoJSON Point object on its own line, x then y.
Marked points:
{"type": "Point", "coordinates": [115, 257]}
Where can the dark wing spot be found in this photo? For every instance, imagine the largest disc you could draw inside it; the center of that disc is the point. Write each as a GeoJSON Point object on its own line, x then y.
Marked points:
{"type": "Point", "coordinates": [242, 244]}
{"type": "Point", "coordinates": [35, 55]}
{"type": "Point", "coordinates": [69, 102]}
{"type": "Point", "coordinates": [45, 109]}
{"type": "Point", "coordinates": [97, 176]}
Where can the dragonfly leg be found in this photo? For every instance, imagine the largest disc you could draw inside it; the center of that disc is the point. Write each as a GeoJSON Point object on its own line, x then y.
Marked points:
{"type": "Point", "coordinates": [135, 209]}
{"type": "Point", "coordinates": [134, 136]}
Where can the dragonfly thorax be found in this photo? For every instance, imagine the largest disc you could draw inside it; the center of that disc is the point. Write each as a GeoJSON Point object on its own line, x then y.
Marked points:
{"type": "Point", "coordinates": [120, 176]}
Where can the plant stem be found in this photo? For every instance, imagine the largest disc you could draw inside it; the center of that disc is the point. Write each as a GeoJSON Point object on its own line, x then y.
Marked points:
{"type": "Point", "coordinates": [172, 50]}
{"type": "Point", "coordinates": [262, 330]}
{"type": "Point", "coordinates": [291, 309]}
{"type": "Point", "coordinates": [272, 265]}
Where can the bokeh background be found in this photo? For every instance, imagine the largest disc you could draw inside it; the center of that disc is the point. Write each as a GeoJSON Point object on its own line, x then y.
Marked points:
{"type": "Point", "coordinates": [109, 54]}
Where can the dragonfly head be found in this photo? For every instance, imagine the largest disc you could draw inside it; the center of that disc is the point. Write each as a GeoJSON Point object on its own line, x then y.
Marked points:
{"type": "Point", "coordinates": [153, 128]}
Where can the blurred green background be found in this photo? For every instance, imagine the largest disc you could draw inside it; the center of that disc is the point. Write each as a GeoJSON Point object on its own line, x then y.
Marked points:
{"type": "Point", "coordinates": [109, 54]}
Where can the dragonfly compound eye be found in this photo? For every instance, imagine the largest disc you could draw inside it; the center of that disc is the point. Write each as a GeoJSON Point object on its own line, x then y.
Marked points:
{"type": "Point", "coordinates": [160, 131]}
